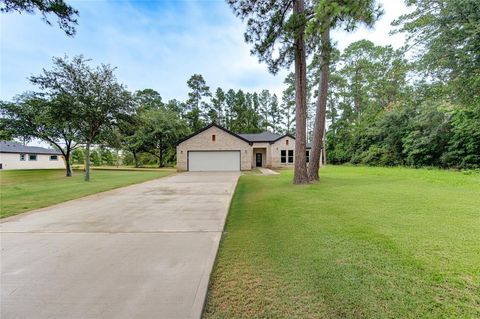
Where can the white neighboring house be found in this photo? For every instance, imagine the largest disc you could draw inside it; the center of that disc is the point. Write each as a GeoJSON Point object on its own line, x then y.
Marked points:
{"type": "Point", "coordinates": [14, 155]}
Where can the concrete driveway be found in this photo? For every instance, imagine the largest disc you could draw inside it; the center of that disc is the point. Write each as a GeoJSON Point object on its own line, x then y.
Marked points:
{"type": "Point", "coordinates": [143, 251]}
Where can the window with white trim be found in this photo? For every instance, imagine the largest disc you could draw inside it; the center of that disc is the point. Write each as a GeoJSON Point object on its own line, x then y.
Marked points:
{"type": "Point", "coordinates": [283, 156]}
{"type": "Point", "coordinates": [290, 156]}
{"type": "Point", "coordinates": [32, 157]}
{"type": "Point", "coordinates": [53, 157]}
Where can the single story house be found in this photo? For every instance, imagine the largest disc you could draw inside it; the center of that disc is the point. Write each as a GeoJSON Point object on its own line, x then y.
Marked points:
{"type": "Point", "coordinates": [215, 148]}
{"type": "Point", "coordinates": [14, 155]}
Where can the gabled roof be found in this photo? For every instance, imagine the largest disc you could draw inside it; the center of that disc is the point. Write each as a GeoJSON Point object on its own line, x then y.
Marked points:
{"type": "Point", "coordinates": [14, 147]}
{"type": "Point", "coordinates": [217, 126]}
{"type": "Point", "coordinates": [261, 137]}
{"type": "Point", "coordinates": [265, 137]}
{"type": "Point", "coordinates": [269, 137]}
{"type": "Point", "coordinates": [285, 135]}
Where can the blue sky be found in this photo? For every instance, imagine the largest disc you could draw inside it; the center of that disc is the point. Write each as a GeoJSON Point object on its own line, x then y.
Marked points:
{"type": "Point", "coordinates": [154, 44]}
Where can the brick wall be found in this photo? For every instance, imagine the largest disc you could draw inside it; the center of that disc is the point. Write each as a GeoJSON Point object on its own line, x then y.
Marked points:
{"type": "Point", "coordinates": [223, 141]}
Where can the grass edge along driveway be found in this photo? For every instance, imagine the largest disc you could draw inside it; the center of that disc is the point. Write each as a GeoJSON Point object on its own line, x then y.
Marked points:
{"type": "Point", "coordinates": [25, 190]}
{"type": "Point", "coordinates": [363, 243]}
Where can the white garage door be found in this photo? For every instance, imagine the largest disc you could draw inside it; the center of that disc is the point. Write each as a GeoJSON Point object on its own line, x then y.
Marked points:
{"type": "Point", "coordinates": [199, 161]}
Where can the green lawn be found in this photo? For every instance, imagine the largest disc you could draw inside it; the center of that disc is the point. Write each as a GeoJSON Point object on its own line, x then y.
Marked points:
{"type": "Point", "coordinates": [364, 243]}
{"type": "Point", "coordinates": [24, 190]}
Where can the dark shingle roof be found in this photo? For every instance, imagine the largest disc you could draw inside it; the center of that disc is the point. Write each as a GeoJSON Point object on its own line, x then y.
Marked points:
{"type": "Point", "coordinates": [14, 147]}
{"type": "Point", "coordinates": [261, 137]}
{"type": "Point", "coordinates": [267, 137]}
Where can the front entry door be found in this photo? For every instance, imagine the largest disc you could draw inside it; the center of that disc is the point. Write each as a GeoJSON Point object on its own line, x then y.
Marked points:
{"type": "Point", "coordinates": [258, 159]}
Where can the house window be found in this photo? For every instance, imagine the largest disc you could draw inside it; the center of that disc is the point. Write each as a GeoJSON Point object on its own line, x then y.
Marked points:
{"type": "Point", "coordinates": [32, 157]}
{"type": "Point", "coordinates": [286, 142]}
{"type": "Point", "coordinates": [53, 157]}
{"type": "Point", "coordinates": [283, 156]}
{"type": "Point", "coordinates": [290, 156]}
{"type": "Point", "coordinates": [308, 156]}
{"type": "Point", "coordinates": [213, 138]}
{"type": "Point", "coordinates": [22, 157]}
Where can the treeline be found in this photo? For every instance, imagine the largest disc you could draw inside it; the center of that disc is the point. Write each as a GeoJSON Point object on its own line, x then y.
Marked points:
{"type": "Point", "coordinates": [102, 156]}
{"type": "Point", "coordinates": [86, 114]}
{"type": "Point", "coordinates": [105, 156]}
{"type": "Point", "coordinates": [384, 109]}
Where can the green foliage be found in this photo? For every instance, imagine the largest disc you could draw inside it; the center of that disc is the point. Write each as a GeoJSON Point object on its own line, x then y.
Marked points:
{"type": "Point", "coordinates": [107, 157]}
{"type": "Point", "coordinates": [426, 142]}
{"type": "Point", "coordinates": [127, 159]}
{"type": "Point", "coordinates": [78, 156]}
{"type": "Point", "coordinates": [275, 114]}
{"type": "Point", "coordinates": [243, 117]}
{"type": "Point", "coordinates": [216, 112]}
{"type": "Point", "coordinates": [464, 143]}
{"type": "Point", "coordinates": [348, 14]}
{"type": "Point", "coordinates": [149, 133]}
{"type": "Point", "coordinates": [264, 102]}
{"type": "Point", "coordinates": [197, 107]}
{"type": "Point", "coordinates": [374, 76]}
{"type": "Point", "coordinates": [160, 129]}
{"type": "Point", "coordinates": [7, 133]}
{"type": "Point", "coordinates": [95, 158]}
{"type": "Point", "coordinates": [367, 109]}
{"type": "Point", "coordinates": [382, 119]}
{"type": "Point", "coordinates": [288, 104]}
{"type": "Point", "coordinates": [148, 99]}
{"type": "Point", "coordinates": [446, 35]}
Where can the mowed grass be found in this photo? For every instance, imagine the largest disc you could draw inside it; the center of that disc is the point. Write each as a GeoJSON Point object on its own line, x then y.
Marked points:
{"type": "Point", "coordinates": [24, 190]}
{"type": "Point", "coordinates": [363, 243]}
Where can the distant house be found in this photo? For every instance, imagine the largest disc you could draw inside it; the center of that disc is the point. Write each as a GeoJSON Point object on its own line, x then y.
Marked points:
{"type": "Point", "coordinates": [215, 148]}
{"type": "Point", "coordinates": [14, 155]}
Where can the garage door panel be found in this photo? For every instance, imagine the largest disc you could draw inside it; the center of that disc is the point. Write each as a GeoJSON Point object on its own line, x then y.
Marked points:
{"type": "Point", "coordinates": [213, 161]}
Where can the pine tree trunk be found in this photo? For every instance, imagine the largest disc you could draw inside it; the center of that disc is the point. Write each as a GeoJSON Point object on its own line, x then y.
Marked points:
{"type": "Point", "coordinates": [300, 173]}
{"type": "Point", "coordinates": [319, 126]}
{"type": "Point", "coordinates": [87, 162]}
{"type": "Point", "coordinates": [324, 150]}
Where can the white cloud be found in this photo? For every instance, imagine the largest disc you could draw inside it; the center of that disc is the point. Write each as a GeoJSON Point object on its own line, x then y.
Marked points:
{"type": "Point", "coordinates": [155, 45]}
